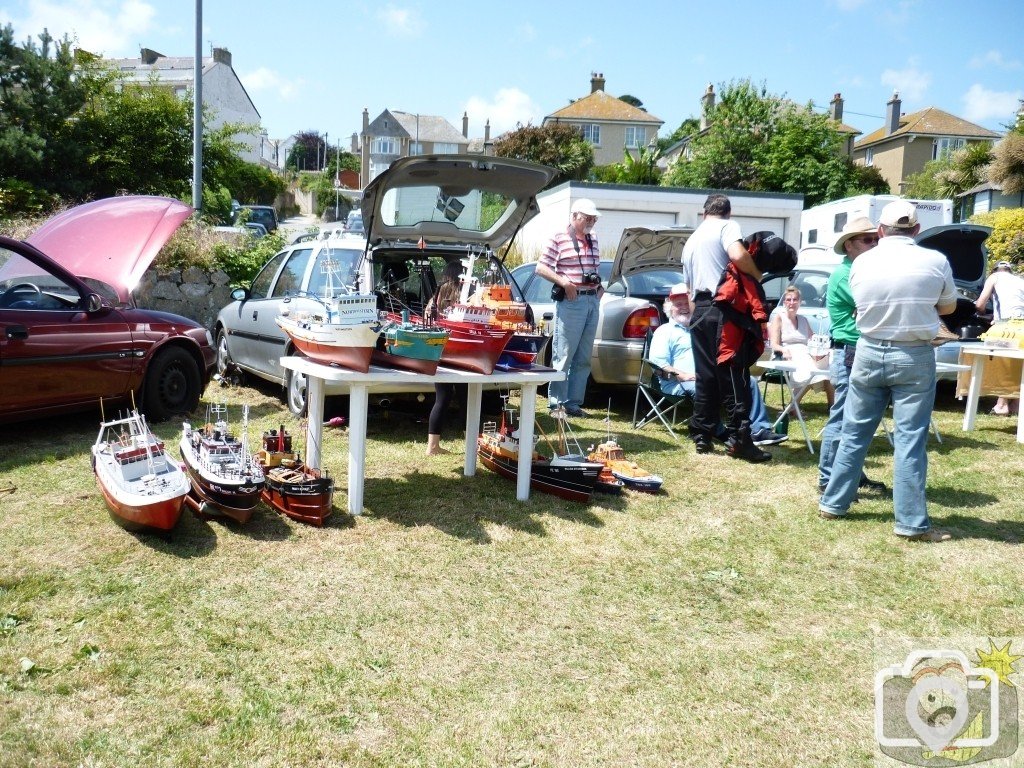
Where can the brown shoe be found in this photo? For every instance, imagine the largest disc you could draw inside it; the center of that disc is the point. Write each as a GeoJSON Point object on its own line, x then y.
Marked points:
{"type": "Point", "coordinates": [931, 536]}
{"type": "Point", "coordinates": [826, 515]}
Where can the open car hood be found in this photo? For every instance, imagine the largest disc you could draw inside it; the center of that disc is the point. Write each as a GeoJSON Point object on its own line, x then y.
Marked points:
{"type": "Point", "coordinates": [453, 199]}
{"type": "Point", "coordinates": [113, 240]}
{"type": "Point", "coordinates": [643, 250]}
{"type": "Point", "coordinates": [964, 247]}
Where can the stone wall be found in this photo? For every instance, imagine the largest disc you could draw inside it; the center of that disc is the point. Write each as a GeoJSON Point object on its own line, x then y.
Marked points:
{"type": "Point", "coordinates": [191, 292]}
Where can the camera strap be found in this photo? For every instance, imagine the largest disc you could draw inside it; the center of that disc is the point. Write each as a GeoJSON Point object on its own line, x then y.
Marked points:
{"type": "Point", "coordinates": [576, 245]}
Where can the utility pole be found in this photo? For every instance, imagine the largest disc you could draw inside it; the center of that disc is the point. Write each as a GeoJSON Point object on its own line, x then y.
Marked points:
{"type": "Point", "coordinates": [197, 114]}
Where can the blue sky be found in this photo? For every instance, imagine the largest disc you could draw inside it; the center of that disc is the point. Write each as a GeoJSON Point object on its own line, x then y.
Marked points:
{"type": "Point", "coordinates": [315, 65]}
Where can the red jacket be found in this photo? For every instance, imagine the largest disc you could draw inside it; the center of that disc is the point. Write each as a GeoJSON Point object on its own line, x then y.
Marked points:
{"type": "Point", "coordinates": [742, 302]}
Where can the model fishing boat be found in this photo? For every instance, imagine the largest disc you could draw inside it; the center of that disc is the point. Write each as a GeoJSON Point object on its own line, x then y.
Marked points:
{"type": "Point", "coordinates": [302, 493]}
{"type": "Point", "coordinates": [143, 488]}
{"type": "Point", "coordinates": [473, 342]}
{"type": "Point", "coordinates": [498, 448]}
{"type": "Point", "coordinates": [342, 331]}
{"type": "Point", "coordinates": [568, 449]}
{"type": "Point", "coordinates": [226, 479]}
{"type": "Point", "coordinates": [412, 346]}
{"type": "Point", "coordinates": [611, 455]}
{"type": "Point", "coordinates": [495, 294]}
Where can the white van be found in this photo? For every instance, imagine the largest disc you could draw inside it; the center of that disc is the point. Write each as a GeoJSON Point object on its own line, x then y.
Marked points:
{"type": "Point", "coordinates": [822, 224]}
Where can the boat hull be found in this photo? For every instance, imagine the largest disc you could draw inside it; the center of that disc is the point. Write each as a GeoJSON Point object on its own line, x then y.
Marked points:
{"type": "Point", "coordinates": [410, 346]}
{"type": "Point", "coordinates": [570, 481]}
{"type": "Point", "coordinates": [156, 516]}
{"type": "Point", "coordinates": [234, 497]}
{"type": "Point", "coordinates": [350, 346]}
{"type": "Point", "coordinates": [473, 348]}
{"type": "Point", "coordinates": [524, 348]}
{"type": "Point", "coordinates": [300, 493]}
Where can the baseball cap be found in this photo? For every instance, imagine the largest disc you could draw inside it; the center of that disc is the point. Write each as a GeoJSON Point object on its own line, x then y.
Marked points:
{"type": "Point", "coordinates": [679, 289]}
{"type": "Point", "coordinates": [859, 226]}
{"type": "Point", "coordinates": [901, 214]}
{"type": "Point", "coordinates": [1004, 265]}
{"type": "Point", "coordinates": [586, 207]}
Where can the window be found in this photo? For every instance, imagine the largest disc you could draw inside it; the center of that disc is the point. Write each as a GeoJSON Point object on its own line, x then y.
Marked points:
{"type": "Point", "coordinates": [384, 145]}
{"type": "Point", "coordinates": [261, 285]}
{"type": "Point", "coordinates": [290, 281]}
{"type": "Point", "coordinates": [592, 133]}
{"type": "Point", "coordinates": [636, 136]}
{"type": "Point", "coordinates": [943, 147]}
{"type": "Point", "coordinates": [416, 148]}
{"type": "Point", "coordinates": [869, 157]}
{"type": "Point", "coordinates": [839, 221]}
{"type": "Point", "coordinates": [441, 148]}
{"type": "Point", "coordinates": [812, 236]}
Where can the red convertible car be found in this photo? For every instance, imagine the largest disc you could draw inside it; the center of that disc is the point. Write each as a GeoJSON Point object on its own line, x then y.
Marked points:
{"type": "Point", "coordinates": [70, 333]}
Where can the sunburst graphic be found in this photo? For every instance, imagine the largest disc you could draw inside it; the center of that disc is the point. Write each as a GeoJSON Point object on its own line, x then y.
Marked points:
{"type": "Point", "coordinates": [999, 660]}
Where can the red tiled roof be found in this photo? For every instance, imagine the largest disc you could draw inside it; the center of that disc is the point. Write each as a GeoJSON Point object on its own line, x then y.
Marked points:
{"type": "Point", "coordinates": [930, 122]}
{"type": "Point", "coordinates": [600, 106]}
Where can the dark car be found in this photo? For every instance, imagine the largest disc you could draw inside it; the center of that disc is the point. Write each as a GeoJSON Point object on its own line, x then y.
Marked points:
{"type": "Point", "coordinates": [257, 214]}
{"type": "Point", "coordinates": [70, 334]}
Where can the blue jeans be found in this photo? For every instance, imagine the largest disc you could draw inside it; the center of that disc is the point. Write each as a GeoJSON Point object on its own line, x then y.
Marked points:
{"type": "Point", "coordinates": [572, 343]}
{"type": "Point", "coordinates": [839, 373]}
{"type": "Point", "coordinates": [904, 375]}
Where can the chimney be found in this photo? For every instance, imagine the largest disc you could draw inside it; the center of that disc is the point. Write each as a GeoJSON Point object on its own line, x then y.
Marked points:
{"type": "Point", "coordinates": [596, 81]}
{"type": "Point", "coordinates": [222, 56]}
{"type": "Point", "coordinates": [465, 125]}
{"type": "Point", "coordinates": [892, 114]}
{"type": "Point", "coordinates": [355, 143]}
{"type": "Point", "coordinates": [487, 132]}
{"type": "Point", "coordinates": [835, 108]}
{"type": "Point", "coordinates": [707, 104]}
{"type": "Point", "coordinates": [149, 56]}
{"type": "Point", "coordinates": [366, 120]}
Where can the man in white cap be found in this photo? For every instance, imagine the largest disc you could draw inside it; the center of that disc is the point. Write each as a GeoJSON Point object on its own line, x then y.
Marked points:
{"type": "Point", "coordinates": [570, 261]}
{"type": "Point", "coordinates": [859, 235]}
{"type": "Point", "coordinates": [900, 289]}
{"type": "Point", "coordinates": [1006, 290]}
{"type": "Point", "coordinates": [672, 351]}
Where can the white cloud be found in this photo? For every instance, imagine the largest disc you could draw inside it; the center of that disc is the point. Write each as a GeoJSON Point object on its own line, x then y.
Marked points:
{"type": "Point", "coordinates": [991, 59]}
{"type": "Point", "coordinates": [982, 105]}
{"type": "Point", "coordinates": [401, 22]}
{"type": "Point", "coordinates": [108, 27]}
{"type": "Point", "coordinates": [267, 80]}
{"type": "Point", "coordinates": [508, 107]}
{"type": "Point", "coordinates": [911, 82]}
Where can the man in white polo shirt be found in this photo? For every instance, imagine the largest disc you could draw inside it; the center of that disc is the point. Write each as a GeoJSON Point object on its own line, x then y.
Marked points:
{"type": "Point", "coordinates": [900, 290]}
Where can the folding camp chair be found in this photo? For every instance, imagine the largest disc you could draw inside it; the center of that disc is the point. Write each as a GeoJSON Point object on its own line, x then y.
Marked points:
{"type": "Point", "coordinates": [663, 406]}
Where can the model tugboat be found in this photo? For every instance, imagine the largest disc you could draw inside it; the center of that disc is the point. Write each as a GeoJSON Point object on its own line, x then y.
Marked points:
{"type": "Point", "coordinates": [343, 332]}
{"type": "Point", "coordinates": [412, 346]}
{"type": "Point", "coordinates": [302, 493]}
{"type": "Point", "coordinates": [498, 448]}
{"type": "Point", "coordinates": [143, 489]}
{"type": "Point", "coordinates": [611, 455]}
{"type": "Point", "coordinates": [226, 479]}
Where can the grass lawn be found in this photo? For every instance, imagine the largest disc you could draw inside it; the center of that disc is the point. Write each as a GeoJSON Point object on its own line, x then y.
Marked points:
{"type": "Point", "coordinates": [719, 622]}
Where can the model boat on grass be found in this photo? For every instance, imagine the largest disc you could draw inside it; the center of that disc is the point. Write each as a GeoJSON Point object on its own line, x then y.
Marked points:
{"type": "Point", "coordinates": [225, 477]}
{"type": "Point", "coordinates": [498, 448]}
{"type": "Point", "coordinates": [302, 493]}
{"type": "Point", "coordinates": [611, 455]}
{"type": "Point", "coordinates": [143, 489]}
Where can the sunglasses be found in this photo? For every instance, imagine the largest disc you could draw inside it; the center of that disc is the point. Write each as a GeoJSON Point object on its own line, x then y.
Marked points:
{"type": "Point", "coordinates": [866, 239]}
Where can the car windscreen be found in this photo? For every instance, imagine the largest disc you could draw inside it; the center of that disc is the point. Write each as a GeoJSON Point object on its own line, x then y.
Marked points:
{"type": "Point", "coordinates": [470, 210]}
{"type": "Point", "coordinates": [335, 271]}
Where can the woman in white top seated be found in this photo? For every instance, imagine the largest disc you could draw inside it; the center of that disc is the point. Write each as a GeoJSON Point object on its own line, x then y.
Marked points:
{"type": "Point", "coordinates": [789, 334]}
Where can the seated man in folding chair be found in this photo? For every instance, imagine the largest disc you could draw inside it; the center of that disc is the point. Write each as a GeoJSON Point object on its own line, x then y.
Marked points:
{"type": "Point", "coordinates": [671, 350]}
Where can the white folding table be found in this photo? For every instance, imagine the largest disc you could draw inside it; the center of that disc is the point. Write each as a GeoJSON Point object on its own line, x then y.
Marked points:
{"type": "Point", "coordinates": [979, 354]}
{"type": "Point", "coordinates": [392, 380]}
{"type": "Point", "coordinates": [788, 368]}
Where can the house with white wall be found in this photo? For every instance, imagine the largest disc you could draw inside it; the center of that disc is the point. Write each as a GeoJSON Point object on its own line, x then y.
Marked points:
{"type": "Point", "coordinates": [635, 205]}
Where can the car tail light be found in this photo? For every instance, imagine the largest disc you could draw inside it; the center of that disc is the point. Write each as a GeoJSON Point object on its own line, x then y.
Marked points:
{"type": "Point", "coordinates": [639, 321]}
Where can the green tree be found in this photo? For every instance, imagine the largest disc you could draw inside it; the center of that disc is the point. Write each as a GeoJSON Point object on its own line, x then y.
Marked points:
{"type": "Point", "coordinates": [948, 176]}
{"type": "Point", "coordinates": [763, 142]}
{"type": "Point", "coordinates": [558, 145]}
{"type": "Point", "coordinates": [633, 101]}
{"type": "Point", "coordinates": [308, 153]}
{"type": "Point", "coordinates": [642, 169]}
{"type": "Point", "coordinates": [1007, 167]}
{"type": "Point", "coordinates": [688, 127]}
{"type": "Point", "coordinates": [1006, 243]}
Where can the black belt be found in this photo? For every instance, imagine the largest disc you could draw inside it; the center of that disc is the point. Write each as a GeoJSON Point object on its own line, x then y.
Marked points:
{"type": "Point", "coordinates": [587, 292]}
{"type": "Point", "coordinates": [840, 345]}
{"type": "Point", "coordinates": [702, 295]}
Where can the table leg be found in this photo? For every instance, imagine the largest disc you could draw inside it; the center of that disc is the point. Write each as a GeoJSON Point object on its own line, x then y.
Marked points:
{"type": "Point", "coordinates": [1020, 422]}
{"type": "Point", "coordinates": [474, 396]}
{"type": "Point", "coordinates": [973, 391]}
{"type": "Point", "coordinates": [527, 414]}
{"type": "Point", "coordinates": [314, 420]}
{"type": "Point", "coordinates": [358, 400]}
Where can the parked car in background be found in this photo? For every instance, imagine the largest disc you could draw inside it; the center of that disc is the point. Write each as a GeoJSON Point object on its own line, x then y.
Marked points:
{"type": "Point", "coordinates": [637, 282]}
{"type": "Point", "coordinates": [70, 333]}
{"type": "Point", "coordinates": [354, 222]}
{"type": "Point", "coordinates": [257, 214]}
{"type": "Point", "coordinates": [962, 244]}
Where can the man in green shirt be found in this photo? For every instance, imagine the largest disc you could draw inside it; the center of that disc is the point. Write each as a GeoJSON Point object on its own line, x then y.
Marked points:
{"type": "Point", "coordinates": [857, 237]}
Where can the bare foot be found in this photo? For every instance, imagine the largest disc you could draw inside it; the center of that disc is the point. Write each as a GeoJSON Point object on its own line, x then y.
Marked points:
{"type": "Point", "coordinates": [437, 451]}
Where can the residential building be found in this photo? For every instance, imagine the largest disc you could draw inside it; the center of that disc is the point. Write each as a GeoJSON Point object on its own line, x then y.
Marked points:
{"type": "Point", "coordinates": [223, 93]}
{"type": "Point", "coordinates": [984, 198]}
{"type": "Point", "coordinates": [394, 134]}
{"type": "Point", "coordinates": [607, 122]}
{"type": "Point", "coordinates": [902, 146]}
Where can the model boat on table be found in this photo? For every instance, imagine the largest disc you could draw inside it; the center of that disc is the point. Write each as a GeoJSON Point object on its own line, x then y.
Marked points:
{"type": "Point", "coordinates": [295, 490]}
{"type": "Point", "coordinates": [410, 345]}
{"type": "Point", "coordinates": [226, 479]}
{"type": "Point", "coordinates": [143, 488]}
{"type": "Point", "coordinates": [498, 448]}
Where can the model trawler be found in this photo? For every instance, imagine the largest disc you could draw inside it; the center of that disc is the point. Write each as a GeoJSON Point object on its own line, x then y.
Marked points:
{"type": "Point", "coordinates": [143, 489]}
{"type": "Point", "coordinates": [295, 490]}
{"type": "Point", "coordinates": [226, 479]}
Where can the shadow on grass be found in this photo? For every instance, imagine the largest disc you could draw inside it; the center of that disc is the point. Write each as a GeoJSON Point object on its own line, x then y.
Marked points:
{"type": "Point", "coordinates": [463, 506]}
{"type": "Point", "coordinates": [191, 537]}
{"type": "Point", "coordinates": [1006, 531]}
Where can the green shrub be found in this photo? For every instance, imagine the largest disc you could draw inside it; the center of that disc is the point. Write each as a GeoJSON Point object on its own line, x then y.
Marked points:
{"type": "Point", "coordinates": [1006, 243]}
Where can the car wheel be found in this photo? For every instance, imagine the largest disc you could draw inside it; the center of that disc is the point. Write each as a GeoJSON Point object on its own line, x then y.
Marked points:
{"type": "Point", "coordinates": [295, 392]}
{"type": "Point", "coordinates": [172, 386]}
{"type": "Point", "coordinates": [225, 365]}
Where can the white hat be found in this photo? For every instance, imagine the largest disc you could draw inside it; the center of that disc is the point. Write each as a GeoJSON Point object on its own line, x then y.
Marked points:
{"type": "Point", "coordinates": [900, 214]}
{"type": "Point", "coordinates": [859, 226]}
{"type": "Point", "coordinates": [679, 289]}
{"type": "Point", "coordinates": [586, 207]}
